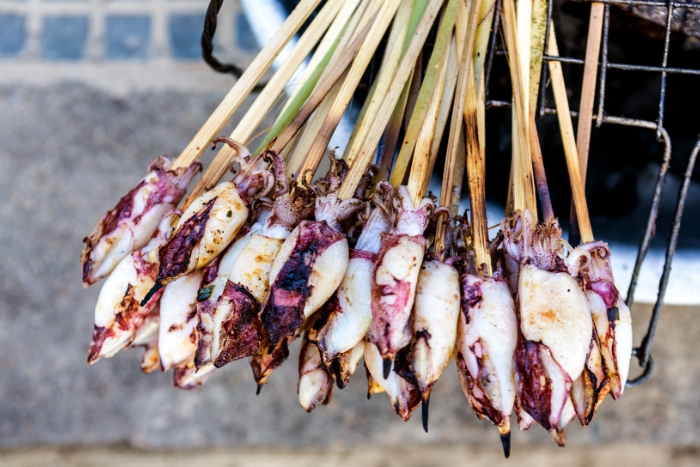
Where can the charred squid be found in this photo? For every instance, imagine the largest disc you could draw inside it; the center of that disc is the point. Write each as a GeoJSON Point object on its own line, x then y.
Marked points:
{"type": "Point", "coordinates": [211, 222]}
{"type": "Point", "coordinates": [131, 223]}
{"type": "Point", "coordinates": [120, 320]}
{"type": "Point", "coordinates": [555, 322]}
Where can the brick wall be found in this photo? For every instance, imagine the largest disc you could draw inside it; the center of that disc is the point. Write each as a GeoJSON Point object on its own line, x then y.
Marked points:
{"type": "Point", "coordinates": [116, 30]}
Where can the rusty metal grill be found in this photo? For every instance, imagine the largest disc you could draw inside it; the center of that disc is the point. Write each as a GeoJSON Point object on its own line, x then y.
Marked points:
{"type": "Point", "coordinates": [643, 352]}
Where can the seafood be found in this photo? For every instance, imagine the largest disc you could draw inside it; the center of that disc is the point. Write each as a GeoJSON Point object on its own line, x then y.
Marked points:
{"type": "Point", "coordinates": [486, 343]}
{"type": "Point", "coordinates": [315, 382]}
{"type": "Point", "coordinates": [345, 318]}
{"type": "Point", "coordinates": [395, 277]}
{"type": "Point", "coordinates": [237, 326]}
{"type": "Point", "coordinates": [311, 262]}
{"type": "Point", "coordinates": [213, 220]}
{"type": "Point", "coordinates": [130, 225]}
{"type": "Point", "coordinates": [555, 321]}
{"type": "Point", "coordinates": [119, 316]}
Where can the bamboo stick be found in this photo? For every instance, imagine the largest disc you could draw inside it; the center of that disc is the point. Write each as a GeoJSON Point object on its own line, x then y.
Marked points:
{"type": "Point", "coordinates": [538, 169]}
{"type": "Point", "coordinates": [567, 136]}
{"type": "Point", "coordinates": [312, 128]}
{"type": "Point", "coordinates": [245, 84]}
{"type": "Point", "coordinates": [326, 47]}
{"type": "Point", "coordinates": [446, 102]}
{"type": "Point", "coordinates": [420, 175]}
{"type": "Point", "coordinates": [320, 92]}
{"type": "Point", "coordinates": [318, 148]}
{"type": "Point", "coordinates": [391, 137]}
{"type": "Point", "coordinates": [435, 64]}
{"type": "Point", "coordinates": [465, 70]}
{"type": "Point", "coordinates": [538, 31]}
{"type": "Point", "coordinates": [522, 177]}
{"type": "Point", "coordinates": [483, 32]}
{"type": "Point", "coordinates": [390, 44]}
{"type": "Point", "coordinates": [256, 113]}
{"type": "Point", "coordinates": [590, 68]}
{"type": "Point", "coordinates": [399, 30]}
{"type": "Point", "coordinates": [476, 176]}
{"type": "Point", "coordinates": [402, 74]}
{"type": "Point", "coordinates": [312, 74]}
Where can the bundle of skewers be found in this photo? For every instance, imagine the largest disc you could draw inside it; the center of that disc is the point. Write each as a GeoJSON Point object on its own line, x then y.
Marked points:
{"type": "Point", "coordinates": [354, 258]}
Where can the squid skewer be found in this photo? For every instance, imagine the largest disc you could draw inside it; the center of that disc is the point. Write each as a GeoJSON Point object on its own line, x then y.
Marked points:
{"type": "Point", "coordinates": [119, 316]}
{"type": "Point", "coordinates": [315, 381]}
{"type": "Point", "coordinates": [237, 324]}
{"type": "Point", "coordinates": [212, 221]}
{"type": "Point", "coordinates": [346, 317]}
{"type": "Point", "coordinates": [555, 321]}
{"type": "Point", "coordinates": [131, 223]}
{"type": "Point", "coordinates": [395, 277]}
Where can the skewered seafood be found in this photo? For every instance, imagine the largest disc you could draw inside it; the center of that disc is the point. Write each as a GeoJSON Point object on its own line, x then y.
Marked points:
{"type": "Point", "coordinates": [131, 223]}
{"type": "Point", "coordinates": [212, 221]}
{"type": "Point", "coordinates": [435, 315]}
{"type": "Point", "coordinates": [404, 395]}
{"type": "Point", "coordinates": [345, 318]}
{"type": "Point", "coordinates": [486, 342]}
{"type": "Point", "coordinates": [315, 382]}
{"type": "Point", "coordinates": [119, 316]}
{"type": "Point", "coordinates": [555, 322]}
{"type": "Point", "coordinates": [178, 319]}
{"type": "Point", "coordinates": [311, 262]}
{"type": "Point", "coordinates": [395, 277]}
{"type": "Point", "coordinates": [237, 324]}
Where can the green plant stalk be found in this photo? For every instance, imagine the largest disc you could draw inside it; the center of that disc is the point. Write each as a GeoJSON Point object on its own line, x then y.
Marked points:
{"type": "Point", "coordinates": [298, 101]}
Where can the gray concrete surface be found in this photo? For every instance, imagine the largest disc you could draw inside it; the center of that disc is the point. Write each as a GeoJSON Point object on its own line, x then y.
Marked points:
{"type": "Point", "coordinates": [67, 152]}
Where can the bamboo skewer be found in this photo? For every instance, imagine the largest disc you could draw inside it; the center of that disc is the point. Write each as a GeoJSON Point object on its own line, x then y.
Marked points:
{"type": "Point", "coordinates": [476, 176]}
{"type": "Point", "coordinates": [435, 64]}
{"type": "Point", "coordinates": [448, 93]}
{"type": "Point", "coordinates": [538, 170]}
{"type": "Point", "coordinates": [420, 175]}
{"type": "Point", "coordinates": [256, 113]}
{"type": "Point", "coordinates": [322, 56]}
{"type": "Point", "coordinates": [590, 68]}
{"type": "Point", "coordinates": [245, 84]}
{"type": "Point", "coordinates": [369, 46]}
{"type": "Point", "coordinates": [400, 29]}
{"type": "Point", "coordinates": [537, 35]}
{"type": "Point", "coordinates": [377, 128]}
{"type": "Point", "coordinates": [320, 92]}
{"type": "Point", "coordinates": [567, 136]}
{"type": "Point", "coordinates": [522, 176]}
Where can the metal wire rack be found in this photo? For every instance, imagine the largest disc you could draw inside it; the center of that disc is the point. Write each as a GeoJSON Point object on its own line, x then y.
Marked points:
{"type": "Point", "coordinates": [643, 352]}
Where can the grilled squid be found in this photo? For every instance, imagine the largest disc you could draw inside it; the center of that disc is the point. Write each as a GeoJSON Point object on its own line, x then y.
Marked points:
{"type": "Point", "coordinates": [187, 376]}
{"type": "Point", "coordinates": [211, 222]}
{"type": "Point", "coordinates": [486, 342]}
{"type": "Point", "coordinates": [345, 318]}
{"type": "Point", "coordinates": [237, 324]}
{"type": "Point", "coordinates": [315, 382]}
{"type": "Point", "coordinates": [177, 337]}
{"type": "Point", "coordinates": [611, 316]}
{"type": "Point", "coordinates": [311, 262]}
{"type": "Point", "coordinates": [119, 318]}
{"type": "Point", "coordinates": [404, 395]}
{"type": "Point", "coordinates": [555, 322]}
{"type": "Point", "coordinates": [131, 224]}
{"type": "Point", "coordinates": [215, 276]}
{"type": "Point", "coordinates": [395, 277]}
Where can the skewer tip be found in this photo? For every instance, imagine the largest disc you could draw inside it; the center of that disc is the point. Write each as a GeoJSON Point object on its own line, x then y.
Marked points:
{"type": "Point", "coordinates": [151, 293]}
{"type": "Point", "coordinates": [258, 389]}
{"type": "Point", "coordinates": [424, 411]}
{"type": "Point", "coordinates": [387, 367]}
{"type": "Point", "coordinates": [505, 441]}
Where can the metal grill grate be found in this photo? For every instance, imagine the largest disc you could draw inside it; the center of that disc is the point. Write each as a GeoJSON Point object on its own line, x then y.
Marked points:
{"type": "Point", "coordinates": [643, 352]}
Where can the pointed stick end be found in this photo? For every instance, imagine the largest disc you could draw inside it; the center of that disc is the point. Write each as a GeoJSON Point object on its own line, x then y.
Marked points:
{"type": "Point", "coordinates": [151, 293]}
{"type": "Point", "coordinates": [424, 410]}
{"type": "Point", "coordinates": [259, 388]}
{"type": "Point", "coordinates": [505, 441]}
{"type": "Point", "coordinates": [387, 367]}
